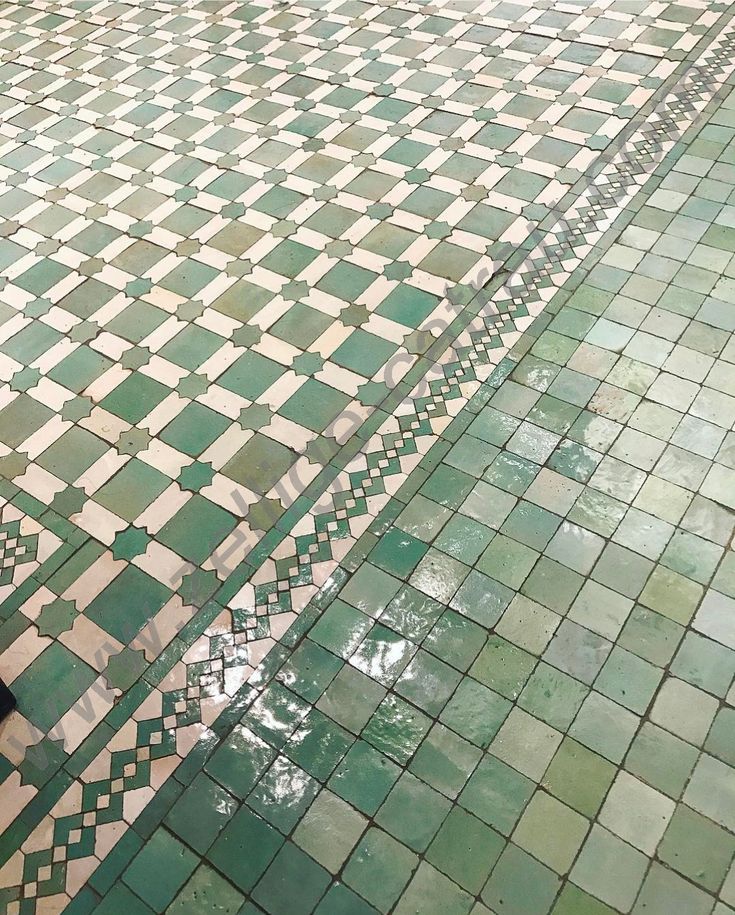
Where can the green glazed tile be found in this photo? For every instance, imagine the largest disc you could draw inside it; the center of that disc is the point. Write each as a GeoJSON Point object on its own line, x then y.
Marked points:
{"type": "Point", "coordinates": [244, 849]}
{"type": "Point", "coordinates": [351, 699]}
{"type": "Point", "coordinates": [497, 794]}
{"type": "Point", "coordinates": [379, 868]}
{"type": "Point", "coordinates": [292, 884]}
{"type": "Point", "coordinates": [503, 667]}
{"type": "Point", "coordinates": [206, 890]}
{"type": "Point", "coordinates": [364, 777]}
{"type": "Point", "coordinates": [51, 684]}
{"type": "Point", "coordinates": [661, 759]}
{"type": "Point", "coordinates": [201, 813]}
{"type": "Point", "coordinates": [520, 884]}
{"type": "Point", "coordinates": [445, 761]}
{"type": "Point", "coordinates": [329, 830]}
{"type": "Point", "coordinates": [160, 869]}
{"type": "Point", "coordinates": [283, 794]}
{"type": "Point", "coordinates": [697, 848]}
{"type": "Point", "coordinates": [475, 712]}
{"type": "Point", "coordinates": [412, 812]}
{"type": "Point", "coordinates": [465, 849]}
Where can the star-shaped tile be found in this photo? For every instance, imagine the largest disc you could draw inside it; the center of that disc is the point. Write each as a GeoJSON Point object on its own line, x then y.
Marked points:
{"type": "Point", "coordinates": [508, 159]}
{"type": "Point", "coordinates": [247, 335]}
{"type": "Point", "coordinates": [417, 176]}
{"type": "Point", "coordinates": [379, 211]}
{"type": "Point", "coordinates": [56, 617]}
{"type": "Point", "coordinates": [286, 227]}
{"type": "Point", "coordinates": [233, 210]}
{"type": "Point", "coordinates": [125, 668]}
{"type": "Point", "coordinates": [69, 501]}
{"type": "Point", "coordinates": [275, 176]}
{"type": "Point", "coordinates": [399, 130]}
{"type": "Point", "coordinates": [354, 315]}
{"type": "Point", "coordinates": [438, 230]}
{"type": "Point", "coordinates": [17, 179]}
{"type": "Point", "coordinates": [397, 270]}
{"type": "Point", "coordinates": [140, 229]}
{"type": "Point", "coordinates": [37, 308]}
{"type": "Point", "coordinates": [138, 287]}
{"type": "Point", "coordinates": [196, 476]}
{"type": "Point", "coordinates": [321, 450]}
{"type": "Point", "coordinates": [325, 192]}
{"type": "Point", "coordinates": [338, 247]}
{"type": "Point", "coordinates": [25, 379]}
{"type": "Point", "coordinates": [198, 587]}
{"type": "Point", "coordinates": [372, 393]}
{"type": "Point", "coordinates": [295, 291]}
{"type": "Point", "coordinates": [187, 247]}
{"type": "Point", "coordinates": [84, 331]}
{"type": "Point", "coordinates": [239, 267]}
{"type": "Point", "coordinates": [133, 441]}
{"type": "Point", "coordinates": [308, 364]}
{"type": "Point", "coordinates": [192, 386]}
{"type": "Point", "coordinates": [534, 211]}
{"type": "Point", "coordinates": [418, 341]}
{"type": "Point", "coordinates": [190, 310]}
{"type": "Point", "coordinates": [474, 193]}
{"type": "Point", "coordinates": [101, 163]}
{"type": "Point", "coordinates": [77, 408]}
{"type": "Point", "coordinates": [264, 514]}
{"type": "Point", "coordinates": [135, 357]}
{"type": "Point", "coordinates": [131, 542]}
{"type": "Point", "coordinates": [41, 761]}
{"type": "Point", "coordinates": [461, 294]}
{"type": "Point", "coordinates": [184, 194]}
{"type": "Point", "coordinates": [48, 247]}
{"type": "Point", "coordinates": [254, 417]}
{"type": "Point", "coordinates": [13, 465]}
{"type": "Point", "coordinates": [568, 175]}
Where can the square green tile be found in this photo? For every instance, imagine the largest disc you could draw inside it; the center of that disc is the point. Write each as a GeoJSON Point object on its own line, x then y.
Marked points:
{"type": "Point", "coordinates": [51, 684]}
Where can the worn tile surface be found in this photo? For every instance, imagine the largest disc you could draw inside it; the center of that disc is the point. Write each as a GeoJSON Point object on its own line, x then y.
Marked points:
{"type": "Point", "coordinates": [261, 265]}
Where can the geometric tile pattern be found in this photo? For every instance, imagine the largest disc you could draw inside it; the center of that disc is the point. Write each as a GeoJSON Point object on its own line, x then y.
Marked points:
{"type": "Point", "coordinates": [239, 268]}
{"type": "Point", "coordinates": [15, 550]}
{"type": "Point", "coordinates": [214, 251]}
{"type": "Point", "coordinates": [516, 694]}
{"type": "Point", "coordinates": [527, 290]}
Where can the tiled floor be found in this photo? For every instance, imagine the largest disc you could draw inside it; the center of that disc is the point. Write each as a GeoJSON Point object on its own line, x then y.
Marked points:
{"type": "Point", "coordinates": [308, 606]}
